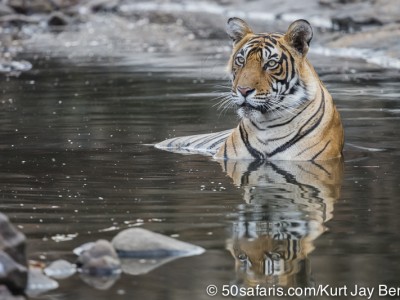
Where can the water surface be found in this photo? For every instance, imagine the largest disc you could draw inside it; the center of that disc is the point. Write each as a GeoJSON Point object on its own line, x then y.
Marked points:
{"type": "Point", "coordinates": [75, 168]}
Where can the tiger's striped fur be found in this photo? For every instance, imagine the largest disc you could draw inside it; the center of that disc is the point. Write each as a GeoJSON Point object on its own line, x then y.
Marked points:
{"type": "Point", "coordinates": [286, 111]}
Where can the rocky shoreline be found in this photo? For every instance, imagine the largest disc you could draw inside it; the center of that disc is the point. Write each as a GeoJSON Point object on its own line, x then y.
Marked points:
{"type": "Point", "coordinates": [366, 29]}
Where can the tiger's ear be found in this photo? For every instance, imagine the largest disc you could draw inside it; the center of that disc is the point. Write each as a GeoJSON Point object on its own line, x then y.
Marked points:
{"type": "Point", "coordinates": [299, 35]}
{"type": "Point", "coordinates": [237, 29]}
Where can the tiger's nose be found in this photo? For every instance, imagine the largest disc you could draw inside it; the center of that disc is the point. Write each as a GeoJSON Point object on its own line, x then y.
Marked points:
{"type": "Point", "coordinates": [245, 91]}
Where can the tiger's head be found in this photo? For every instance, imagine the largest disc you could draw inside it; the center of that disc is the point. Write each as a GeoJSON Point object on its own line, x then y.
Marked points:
{"type": "Point", "coordinates": [269, 72]}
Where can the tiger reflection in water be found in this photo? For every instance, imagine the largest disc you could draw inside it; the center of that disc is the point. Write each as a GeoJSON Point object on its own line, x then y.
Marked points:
{"type": "Point", "coordinates": [287, 204]}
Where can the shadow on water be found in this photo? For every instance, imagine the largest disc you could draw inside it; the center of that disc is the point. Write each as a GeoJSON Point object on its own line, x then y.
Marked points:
{"type": "Point", "coordinates": [287, 204]}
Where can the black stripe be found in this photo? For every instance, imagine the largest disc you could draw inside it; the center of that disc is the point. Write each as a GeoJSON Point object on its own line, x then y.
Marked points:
{"type": "Point", "coordinates": [225, 155]}
{"type": "Point", "coordinates": [308, 148]}
{"type": "Point", "coordinates": [322, 150]}
{"type": "Point", "coordinates": [233, 145]}
{"type": "Point", "coordinates": [216, 143]}
{"type": "Point", "coordinates": [244, 136]}
{"type": "Point", "coordinates": [301, 134]}
{"type": "Point", "coordinates": [287, 122]}
{"type": "Point", "coordinates": [209, 138]}
{"type": "Point", "coordinates": [256, 126]}
{"type": "Point", "coordinates": [279, 138]}
{"type": "Point", "coordinates": [170, 143]}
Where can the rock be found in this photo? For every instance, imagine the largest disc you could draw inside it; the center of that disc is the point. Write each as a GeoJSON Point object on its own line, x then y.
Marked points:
{"type": "Point", "coordinates": [31, 6]}
{"type": "Point", "coordinates": [5, 10]}
{"type": "Point", "coordinates": [12, 274]}
{"type": "Point", "coordinates": [99, 259]}
{"type": "Point", "coordinates": [12, 241]}
{"type": "Point", "coordinates": [13, 263]}
{"type": "Point", "coordinates": [39, 283]}
{"type": "Point", "coordinates": [6, 295]}
{"type": "Point", "coordinates": [60, 269]}
{"type": "Point", "coordinates": [14, 66]}
{"type": "Point", "coordinates": [58, 19]}
{"type": "Point", "coordinates": [142, 243]}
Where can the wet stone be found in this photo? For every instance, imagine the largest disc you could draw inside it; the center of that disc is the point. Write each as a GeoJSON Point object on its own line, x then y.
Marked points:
{"type": "Point", "coordinates": [142, 243]}
{"type": "Point", "coordinates": [12, 274]}
{"type": "Point", "coordinates": [99, 259]}
{"type": "Point", "coordinates": [60, 269]}
{"type": "Point", "coordinates": [39, 283]}
{"type": "Point", "coordinates": [13, 263]}
{"type": "Point", "coordinates": [58, 19]}
{"type": "Point", "coordinates": [6, 295]}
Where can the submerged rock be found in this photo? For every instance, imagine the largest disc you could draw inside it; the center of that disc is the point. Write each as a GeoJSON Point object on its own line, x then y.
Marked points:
{"type": "Point", "coordinates": [60, 269]}
{"type": "Point", "coordinates": [13, 263]}
{"type": "Point", "coordinates": [142, 243]}
{"type": "Point", "coordinates": [99, 259]}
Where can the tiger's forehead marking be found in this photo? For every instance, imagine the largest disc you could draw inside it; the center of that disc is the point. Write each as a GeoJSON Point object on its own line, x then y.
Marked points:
{"type": "Point", "coordinates": [265, 45]}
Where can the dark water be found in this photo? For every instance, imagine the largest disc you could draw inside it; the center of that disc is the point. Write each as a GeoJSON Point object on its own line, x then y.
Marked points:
{"type": "Point", "coordinates": [74, 168]}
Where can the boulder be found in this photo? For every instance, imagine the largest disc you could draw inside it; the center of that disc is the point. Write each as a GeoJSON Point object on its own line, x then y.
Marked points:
{"type": "Point", "coordinates": [99, 259]}
{"type": "Point", "coordinates": [142, 243]}
{"type": "Point", "coordinates": [6, 295]}
{"type": "Point", "coordinates": [39, 283]}
{"type": "Point", "coordinates": [13, 263]}
{"type": "Point", "coordinates": [60, 269]}
{"type": "Point", "coordinates": [12, 274]}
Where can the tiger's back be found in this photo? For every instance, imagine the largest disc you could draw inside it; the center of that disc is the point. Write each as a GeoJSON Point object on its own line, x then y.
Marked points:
{"type": "Point", "coordinates": [286, 112]}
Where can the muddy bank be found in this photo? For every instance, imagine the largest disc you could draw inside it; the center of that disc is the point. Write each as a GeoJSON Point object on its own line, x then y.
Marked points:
{"type": "Point", "coordinates": [368, 29]}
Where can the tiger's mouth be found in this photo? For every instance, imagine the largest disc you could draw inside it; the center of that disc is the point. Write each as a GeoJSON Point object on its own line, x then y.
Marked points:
{"type": "Point", "coordinates": [246, 106]}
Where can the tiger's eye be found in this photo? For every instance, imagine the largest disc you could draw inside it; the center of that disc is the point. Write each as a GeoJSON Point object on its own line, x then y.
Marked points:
{"type": "Point", "coordinates": [242, 256]}
{"type": "Point", "coordinates": [239, 60]}
{"type": "Point", "coordinates": [270, 64]}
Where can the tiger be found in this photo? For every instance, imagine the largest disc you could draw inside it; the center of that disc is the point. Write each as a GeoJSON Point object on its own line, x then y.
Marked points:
{"type": "Point", "coordinates": [287, 205]}
{"type": "Point", "coordinates": [285, 111]}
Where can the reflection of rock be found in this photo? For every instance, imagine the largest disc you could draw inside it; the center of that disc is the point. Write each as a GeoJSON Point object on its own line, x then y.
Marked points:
{"type": "Point", "coordinates": [13, 263]}
{"type": "Point", "coordinates": [100, 282]}
{"type": "Point", "coordinates": [99, 260]}
{"type": "Point", "coordinates": [143, 251]}
{"type": "Point", "coordinates": [287, 205]}
{"type": "Point", "coordinates": [138, 266]}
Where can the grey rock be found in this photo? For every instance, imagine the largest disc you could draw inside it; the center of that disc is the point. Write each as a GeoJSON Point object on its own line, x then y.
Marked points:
{"type": "Point", "coordinates": [84, 247]}
{"type": "Point", "coordinates": [142, 243]}
{"type": "Point", "coordinates": [13, 66]}
{"type": "Point", "coordinates": [6, 295]}
{"type": "Point", "coordinates": [13, 263]}
{"type": "Point", "coordinates": [58, 19]}
{"type": "Point", "coordinates": [5, 10]}
{"type": "Point", "coordinates": [39, 283]}
{"type": "Point", "coordinates": [12, 241]}
{"type": "Point", "coordinates": [99, 259]}
{"type": "Point", "coordinates": [60, 269]}
{"type": "Point", "coordinates": [12, 274]}
{"type": "Point", "coordinates": [31, 6]}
